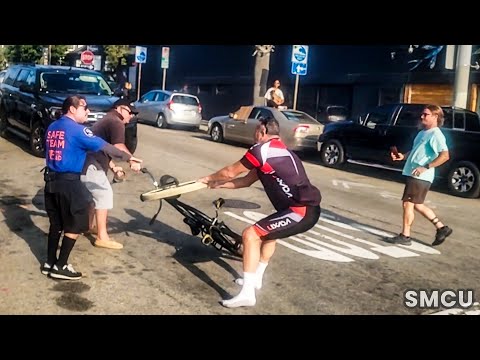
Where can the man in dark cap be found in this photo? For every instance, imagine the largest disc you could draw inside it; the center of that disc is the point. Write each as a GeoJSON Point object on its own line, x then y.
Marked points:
{"type": "Point", "coordinates": [112, 129]}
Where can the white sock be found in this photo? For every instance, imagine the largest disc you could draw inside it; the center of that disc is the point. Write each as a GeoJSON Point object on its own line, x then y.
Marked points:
{"type": "Point", "coordinates": [246, 297]}
{"type": "Point", "coordinates": [259, 274]}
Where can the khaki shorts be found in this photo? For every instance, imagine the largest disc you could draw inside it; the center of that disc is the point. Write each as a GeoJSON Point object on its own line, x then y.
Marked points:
{"type": "Point", "coordinates": [97, 183]}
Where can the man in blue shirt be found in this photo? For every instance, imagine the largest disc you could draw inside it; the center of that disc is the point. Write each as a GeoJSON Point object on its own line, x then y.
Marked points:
{"type": "Point", "coordinates": [67, 200]}
{"type": "Point", "coordinates": [429, 151]}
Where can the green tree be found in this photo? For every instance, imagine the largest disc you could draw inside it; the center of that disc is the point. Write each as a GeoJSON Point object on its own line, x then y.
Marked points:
{"type": "Point", "coordinates": [24, 53]}
{"type": "Point", "coordinates": [57, 54]}
{"type": "Point", "coordinates": [3, 59]}
{"type": "Point", "coordinates": [115, 55]}
{"type": "Point", "coordinates": [262, 68]}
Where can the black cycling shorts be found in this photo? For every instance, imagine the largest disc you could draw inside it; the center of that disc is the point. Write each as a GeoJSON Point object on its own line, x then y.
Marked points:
{"type": "Point", "coordinates": [285, 223]}
{"type": "Point", "coordinates": [68, 206]}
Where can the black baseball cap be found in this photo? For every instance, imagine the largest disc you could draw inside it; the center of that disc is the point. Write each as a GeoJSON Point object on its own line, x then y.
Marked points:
{"type": "Point", "coordinates": [126, 102]}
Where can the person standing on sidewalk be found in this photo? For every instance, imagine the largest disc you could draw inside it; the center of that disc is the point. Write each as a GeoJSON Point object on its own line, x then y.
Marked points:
{"type": "Point", "coordinates": [67, 201]}
{"type": "Point", "coordinates": [429, 151]}
{"type": "Point", "coordinates": [110, 128]}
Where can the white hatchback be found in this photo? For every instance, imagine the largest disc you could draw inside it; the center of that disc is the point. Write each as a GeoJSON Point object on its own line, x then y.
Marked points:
{"type": "Point", "coordinates": [165, 108]}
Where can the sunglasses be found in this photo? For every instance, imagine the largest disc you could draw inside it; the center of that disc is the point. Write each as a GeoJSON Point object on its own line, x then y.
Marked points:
{"type": "Point", "coordinates": [426, 114]}
{"type": "Point", "coordinates": [84, 106]}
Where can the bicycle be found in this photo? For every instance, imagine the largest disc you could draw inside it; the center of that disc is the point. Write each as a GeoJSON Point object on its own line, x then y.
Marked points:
{"type": "Point", "coordinates": [213, 232]}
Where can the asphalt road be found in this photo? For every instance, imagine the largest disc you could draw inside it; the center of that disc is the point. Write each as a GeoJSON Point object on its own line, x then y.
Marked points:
{"type": "Point", "coordinates": [341, 266]}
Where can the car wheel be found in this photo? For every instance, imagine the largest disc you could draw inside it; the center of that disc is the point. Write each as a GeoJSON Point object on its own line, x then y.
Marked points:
{"type": "Point", "coordinates": [37, 140]}
{"type": "Point", "coordinates": [464, 180]}
{"type": "Point", "coordinates": [161, 122]}
{"type": "Point", "coordinates": [216, 133]}
{"type": "Point", "coordinates": [332, 153]}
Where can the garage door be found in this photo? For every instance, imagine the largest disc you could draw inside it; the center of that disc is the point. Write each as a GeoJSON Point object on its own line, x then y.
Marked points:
{"type": "Point", "coordinates": [440, 94]}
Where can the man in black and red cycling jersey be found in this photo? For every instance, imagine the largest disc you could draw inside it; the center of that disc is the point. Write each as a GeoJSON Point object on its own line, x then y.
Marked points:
{"type": "Point", "coordinates": [287, 186]}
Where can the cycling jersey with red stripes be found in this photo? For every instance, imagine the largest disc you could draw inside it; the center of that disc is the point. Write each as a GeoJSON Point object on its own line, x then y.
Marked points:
{"type": "Point", "coordinates": [282, 175]}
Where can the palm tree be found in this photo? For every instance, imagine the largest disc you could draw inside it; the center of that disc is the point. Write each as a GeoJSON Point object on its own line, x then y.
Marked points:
{"type": "Point", "coordinates": [262, 68]}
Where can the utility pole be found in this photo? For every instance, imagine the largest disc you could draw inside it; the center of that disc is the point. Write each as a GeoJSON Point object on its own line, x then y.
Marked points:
{"type": "Point", "coordinates": [462, 74]}
{"type": "Point", "coordinates": [49, 54]}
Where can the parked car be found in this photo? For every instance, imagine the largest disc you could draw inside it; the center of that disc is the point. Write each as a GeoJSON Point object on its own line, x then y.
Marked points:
{"type": "Point", "coordinates": [166, 108]}
{"type": "Point", "coordinates": [298, 130]}
{"type": "Point", "coordinates": [31, 98]}
{"type": "Point", "coordinates": [331, 113]}
{"type": "Point", "coordinates": [367, 140]}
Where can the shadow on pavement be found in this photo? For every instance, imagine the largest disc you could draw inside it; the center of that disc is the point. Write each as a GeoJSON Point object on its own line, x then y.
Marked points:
{"type": "Point", "coordinates": [18, 218]}
{"type": "Point", "coordinates": [189, 249]}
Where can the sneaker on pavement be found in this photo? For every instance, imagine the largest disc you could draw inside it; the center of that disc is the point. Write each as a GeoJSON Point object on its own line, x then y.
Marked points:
{"type": "Point", "coordinates": [46, 268]}
{"type": "Point", "coordinates": [441, 235]}
{"type": "Point", "coordinates": [66, 272]}
{"type": "Point", "coordinates": [399, 239]}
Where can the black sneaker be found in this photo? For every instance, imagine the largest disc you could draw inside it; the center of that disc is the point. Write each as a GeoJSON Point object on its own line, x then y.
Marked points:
{"type": "Point", "coordinates": [399, 239]}
{"type": "Point", "coordinates": [67, 272]}
{"type": "Point", "coordinates": [46, 268]}
{"type": "Point", "coordinates": [442, 234]}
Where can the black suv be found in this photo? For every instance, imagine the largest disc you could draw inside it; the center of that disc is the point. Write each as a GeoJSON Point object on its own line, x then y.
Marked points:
{"type": "Point", "coordinates": [367, 141]}
{"type": "Point", "coordinates": [31, 97]}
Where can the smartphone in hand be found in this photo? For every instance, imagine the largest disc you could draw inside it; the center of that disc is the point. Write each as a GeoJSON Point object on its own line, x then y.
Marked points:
{"type": "Point", "coordinates": [394, 150]}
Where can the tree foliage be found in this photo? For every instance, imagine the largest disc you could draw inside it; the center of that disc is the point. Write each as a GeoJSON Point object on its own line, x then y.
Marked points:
{"type": "Point", "coordinates": [115, 55]}
{"type": "Point", "coordinates": [57, 54]}
{"type": "Point", "coordinates": [24, 53]}
{"type": "Point", "coordinates": [3, 59]}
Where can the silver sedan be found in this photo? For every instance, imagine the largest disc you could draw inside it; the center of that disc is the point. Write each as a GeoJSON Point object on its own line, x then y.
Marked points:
{"type": "Point", "coordinates": [298, 130]}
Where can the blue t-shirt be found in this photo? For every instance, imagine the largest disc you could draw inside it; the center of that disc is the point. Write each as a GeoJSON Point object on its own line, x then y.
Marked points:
{"type": "Point", "coordinates": [428, 144]}
{"type": "Point", "coordinates": [67, 143]}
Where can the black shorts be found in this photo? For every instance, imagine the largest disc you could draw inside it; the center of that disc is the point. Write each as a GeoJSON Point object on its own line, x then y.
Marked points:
{"type": "Point", "coordinates": [415, 190]}
{"type": "Point", "coordinates": [68, 206]}
{"type": "Point", "coordinates": [285, 223]}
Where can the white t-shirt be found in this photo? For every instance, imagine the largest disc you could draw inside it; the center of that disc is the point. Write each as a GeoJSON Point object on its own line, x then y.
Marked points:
{"type": "Point", "coordinates": [278, 92]}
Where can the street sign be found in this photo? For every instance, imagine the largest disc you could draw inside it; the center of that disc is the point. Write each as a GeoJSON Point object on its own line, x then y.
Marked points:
{"type": "Point", "coordinates": [86, 57]}
{"type": "Point", "coordinates": [165, 57]}
{"type": "Point", "coordinates": [140, 54]}
{"type": "Point", "coordinates": [299, 59]}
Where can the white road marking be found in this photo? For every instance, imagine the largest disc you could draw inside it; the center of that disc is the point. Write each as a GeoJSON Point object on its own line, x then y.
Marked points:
{"type": "Point", "coordinates": [331, 250]}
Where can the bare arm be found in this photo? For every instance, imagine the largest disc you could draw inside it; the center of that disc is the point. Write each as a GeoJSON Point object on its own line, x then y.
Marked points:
{"type": "Point", "coordinates": [226, 174]}
{"type": "Point", "coordinates": [238, 183]}
{"type": "Point", "coordinates": [442, 158]}
{"type": "Point", "coordinates": [134, 166]}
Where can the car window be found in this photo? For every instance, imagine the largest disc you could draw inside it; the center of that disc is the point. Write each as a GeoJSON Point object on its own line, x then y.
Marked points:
{"type": "Point", "coordinates": [150, 96]}
{"type": "Point", "coordinates": [409, 116]}
{"type": "Point", "coordinates": [447, 118]}
{"type": "Point", "coordinates": [11, 76]}
{"type": "Point", "coordinates": [161, 96]}
{"type": "Point", "coordinates": [472, 122]}
{"type": "Point", "coordinates": [337, 111]}
{"type": "Point", "coordinates": [459, 120]}
{"type": "Point", "coordinates": [375, 118]}
{"type": "Point", "coordinates": [76, 82]}
{"type": "Point", "coordinates": [255, 114]}
{"type": "Point", "coordinates": [186, 100]}
{"type": "Point", "coordinates": [297, 116]}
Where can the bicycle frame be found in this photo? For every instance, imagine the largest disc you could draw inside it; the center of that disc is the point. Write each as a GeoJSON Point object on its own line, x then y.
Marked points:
{"type": "Point", "coordinates": [213, 232]}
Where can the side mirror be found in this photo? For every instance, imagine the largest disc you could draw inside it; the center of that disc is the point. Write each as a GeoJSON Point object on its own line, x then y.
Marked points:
{"type": "Point", "coordinates": [26, 88]}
